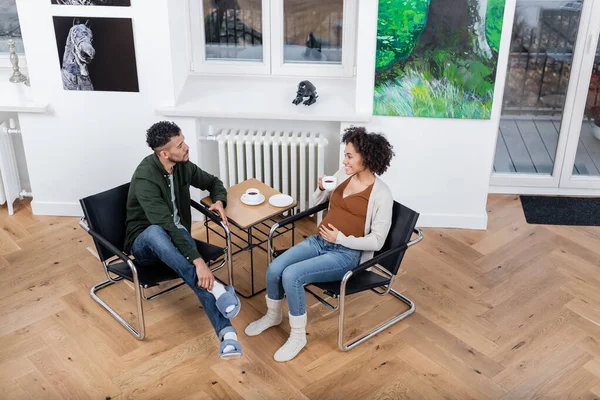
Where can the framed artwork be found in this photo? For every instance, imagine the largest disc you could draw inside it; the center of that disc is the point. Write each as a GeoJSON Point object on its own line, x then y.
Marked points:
{"type": "Point", "coordinates": [437, 58]}
{"type": "Point", "coordinates": [96, 54]}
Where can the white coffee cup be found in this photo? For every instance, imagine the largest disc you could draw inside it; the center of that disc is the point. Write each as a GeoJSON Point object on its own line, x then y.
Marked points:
{"type": "Point", "coordinates": [329, 183]}
{"type": "Point", "coordinates": [252, 193]}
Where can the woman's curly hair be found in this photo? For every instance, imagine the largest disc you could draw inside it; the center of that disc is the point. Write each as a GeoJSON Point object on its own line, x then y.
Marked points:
{"type": "Point", "coordinates": [374, 148]}
{"type": "Point", "coordinates": [160, 133]}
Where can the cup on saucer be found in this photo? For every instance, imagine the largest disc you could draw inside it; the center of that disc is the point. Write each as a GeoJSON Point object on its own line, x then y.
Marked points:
{"type": "Point", "coordinates": [252, 197]}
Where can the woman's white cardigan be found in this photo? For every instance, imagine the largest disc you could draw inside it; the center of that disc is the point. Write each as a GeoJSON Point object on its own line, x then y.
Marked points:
{"type": "Point", "coordinates": [377, 223]}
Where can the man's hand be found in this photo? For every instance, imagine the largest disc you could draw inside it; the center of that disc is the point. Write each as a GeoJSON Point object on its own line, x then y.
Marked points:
{"type": "Point", "coordinates": [219, 209]}
{"type": "Point", "coordinates": [329, 235]}
{"type": "Point", "coordinates": [206, 279]}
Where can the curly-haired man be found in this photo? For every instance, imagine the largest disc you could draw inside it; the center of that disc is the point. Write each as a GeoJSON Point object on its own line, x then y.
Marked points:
{"type": "Point", "coordinates": [159, 223]}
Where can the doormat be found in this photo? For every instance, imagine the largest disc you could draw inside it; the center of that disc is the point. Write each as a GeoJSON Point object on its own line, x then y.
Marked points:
{"type": "Point", "coordinates": [555, 210]}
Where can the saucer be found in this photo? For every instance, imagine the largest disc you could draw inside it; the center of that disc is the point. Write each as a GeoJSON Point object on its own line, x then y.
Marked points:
{"type": "Point", "coordinates": [280, 200]}
{"type": "Point", "coordinates": [259, 200]}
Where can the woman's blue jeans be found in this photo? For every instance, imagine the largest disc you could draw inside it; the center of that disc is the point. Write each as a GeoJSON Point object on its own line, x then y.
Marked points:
{"type": "Point", "coordinates": [311, 261]}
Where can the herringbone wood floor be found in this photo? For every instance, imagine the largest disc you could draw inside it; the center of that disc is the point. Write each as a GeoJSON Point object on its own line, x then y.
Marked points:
{"type": "Point", "coordinates": [511, 313]}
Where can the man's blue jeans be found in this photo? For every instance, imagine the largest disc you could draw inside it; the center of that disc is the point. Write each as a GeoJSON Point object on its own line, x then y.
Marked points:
{"type": "Point", "coordinates": [311, 261]}
{"type": "Point", "coordinates": [154, 244]}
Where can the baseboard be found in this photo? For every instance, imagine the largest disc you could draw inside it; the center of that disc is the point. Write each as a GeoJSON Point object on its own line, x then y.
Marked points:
{"type": "Point", "coordinates": [461, 221]}
{"type": "Point", "coordinates": [543, 191]}
{"type": "Point", "coordinates": [426, 220]}
{"type": "Point", "coordinates": [56, 209]}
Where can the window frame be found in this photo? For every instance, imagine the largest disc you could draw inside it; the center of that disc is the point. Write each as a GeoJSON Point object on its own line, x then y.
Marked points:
{"type": "Point", "coordinates": [345, 69]}
{"type": "Point", "coordinates": [199, 63]}
{"type": "Point", "coordinates": [273, 56]}
{"type": "Point", "coordinates": [5, 63]}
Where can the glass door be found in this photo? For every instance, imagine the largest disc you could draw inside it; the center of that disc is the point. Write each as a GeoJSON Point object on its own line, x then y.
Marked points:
{"type": "Point", "coordinates": [544, 66]}
{"type": "Point", "coordinates": [582, 155]}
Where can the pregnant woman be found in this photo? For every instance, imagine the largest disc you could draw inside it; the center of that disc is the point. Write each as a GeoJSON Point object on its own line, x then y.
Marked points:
{"type": "Point", "coordinates": [356, 225]}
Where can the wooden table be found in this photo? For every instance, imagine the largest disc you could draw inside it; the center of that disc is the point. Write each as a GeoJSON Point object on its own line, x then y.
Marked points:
{"type": "Point", "coordinates": [248, 218]}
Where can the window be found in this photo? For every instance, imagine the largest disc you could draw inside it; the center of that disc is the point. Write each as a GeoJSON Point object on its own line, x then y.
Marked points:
{"type": "Point", "coordinates": [9, 29]}
{"type": "Point", "coordinates": [279, 37]}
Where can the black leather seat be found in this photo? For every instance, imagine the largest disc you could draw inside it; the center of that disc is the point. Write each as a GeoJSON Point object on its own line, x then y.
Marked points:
{"type": "Point", "coordinates": [105, 214]}
{"type": "Point", "coordinates": [377, 274]}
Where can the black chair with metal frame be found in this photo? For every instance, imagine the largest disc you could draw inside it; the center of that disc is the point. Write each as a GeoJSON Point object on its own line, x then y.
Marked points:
{"type": "Point", "coordinates": [362, 277]}
{"type": "Point", "coordinates": [104, 217]}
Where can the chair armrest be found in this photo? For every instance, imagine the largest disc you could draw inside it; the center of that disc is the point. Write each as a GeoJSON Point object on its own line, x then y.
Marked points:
{"type": "Point", "coordinates": [124, 257]}
{"type": "Point", "coordinates": [289, 220]}
{"type": "Point", "coordinates": [300, 215]}
{"type": "Point", "coordinates": [209, 214]}
{"type": "Point", "coordinates": [375, 260]}
{"type": "Point", "coordinates": [218, 220]}
{"type": "Point", "coordinates": [391, 252]}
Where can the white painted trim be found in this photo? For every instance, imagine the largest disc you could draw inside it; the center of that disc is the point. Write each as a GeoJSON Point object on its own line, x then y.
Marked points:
{"type": "Point", "coordinates": [57, 209]}
{"type": "Point", "coordinates": [366, 49]}
{"type": "Point", "coordinates": [270, 98]}
{"type": "Point", "coordinates": [461, 221]}
{"type": "Point", "coordinates": [189, 55]}
{"type": "Point", "coordinates": [24, 108]}
{"type": "Point", "coordinates": [543, 191]}
{"type": "Point", "coordinates": [521, 180]}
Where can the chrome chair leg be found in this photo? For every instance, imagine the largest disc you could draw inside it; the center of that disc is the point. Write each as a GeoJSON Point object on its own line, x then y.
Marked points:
{"type": "Point", "coordinates": [398, 318]}
{"type": "Point", "coordinates": [142, 332]}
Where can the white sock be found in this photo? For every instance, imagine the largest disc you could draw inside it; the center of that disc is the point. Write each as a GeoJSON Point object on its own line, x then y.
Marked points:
{"type": "Point", "coordinates": [229, 335]}
{"type": "Point", "coordinates": [217, 290]}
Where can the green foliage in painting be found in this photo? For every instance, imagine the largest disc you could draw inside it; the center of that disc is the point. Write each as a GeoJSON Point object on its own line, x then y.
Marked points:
{"type": "Point", "coordinates": [443, 77]}
{"type": "Point", "coordinates": [399, 26]}
{"type": "Point", "coordinates": [420, 95]}
{"type": "Point", "coordinates": [493, 23]}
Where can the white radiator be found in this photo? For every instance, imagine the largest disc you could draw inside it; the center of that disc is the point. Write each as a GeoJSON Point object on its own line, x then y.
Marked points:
{"type": "Point", "coordinates": [11, 184]}
{"type": "Point", "coordinates": [288, 162]}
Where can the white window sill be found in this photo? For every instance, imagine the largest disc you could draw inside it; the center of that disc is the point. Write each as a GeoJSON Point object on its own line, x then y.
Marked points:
{"type": "Point", "coordinates": [264, 98]}
{"type": "Point", "coordinates": [16, 97]}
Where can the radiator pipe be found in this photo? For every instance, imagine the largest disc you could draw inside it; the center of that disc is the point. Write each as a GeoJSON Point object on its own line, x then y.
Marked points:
{"type": "Point", "coordinates": [11, 129]}
{"type": "Point", "coordinates": [212, 138]}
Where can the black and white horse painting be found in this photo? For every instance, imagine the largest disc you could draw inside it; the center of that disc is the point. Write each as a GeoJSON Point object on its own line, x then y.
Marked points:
{"type": "Point", "coordinates": [121, 3]}
{"type": "Point", "coordinates": [96, 53]}
{"type": "Point", "coordinates": [79, 53]}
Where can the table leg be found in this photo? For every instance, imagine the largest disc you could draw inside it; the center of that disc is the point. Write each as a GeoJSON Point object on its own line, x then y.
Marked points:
{"type": "Point", "coordinates": [251, 260]}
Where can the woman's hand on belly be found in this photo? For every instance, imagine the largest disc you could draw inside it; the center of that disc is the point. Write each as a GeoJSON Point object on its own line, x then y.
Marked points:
{"type": "Point", "coordinates": [329, 235]}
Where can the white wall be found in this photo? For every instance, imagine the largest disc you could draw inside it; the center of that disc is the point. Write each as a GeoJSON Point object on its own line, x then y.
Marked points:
{"type": "Point", "coordinates": [90, 141]}
{"type": "Point", "coordinates": [442, 166]}
{"type": "Point", "coordinates": [179, 30]}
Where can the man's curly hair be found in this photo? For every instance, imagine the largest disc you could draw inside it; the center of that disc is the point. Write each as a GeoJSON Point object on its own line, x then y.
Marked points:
{"type": "Point", "coordinates": [160, 133]}
{"type": "Point", "coordinates": [374, 148]}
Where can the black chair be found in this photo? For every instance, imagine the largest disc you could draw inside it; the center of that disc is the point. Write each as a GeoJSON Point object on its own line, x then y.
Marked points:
{"type": "Point", "coordinates": [363, 277]}
{"type": "Point", "coordinates": [105, 214]}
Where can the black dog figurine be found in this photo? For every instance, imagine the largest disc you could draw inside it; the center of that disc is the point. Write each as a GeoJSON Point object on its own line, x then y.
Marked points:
{"type": "Point", "coordinates": [306, 89]}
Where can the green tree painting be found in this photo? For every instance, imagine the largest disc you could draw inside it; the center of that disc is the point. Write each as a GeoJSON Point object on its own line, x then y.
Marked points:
{"type": "Point", "coordinates": [437, 58]}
